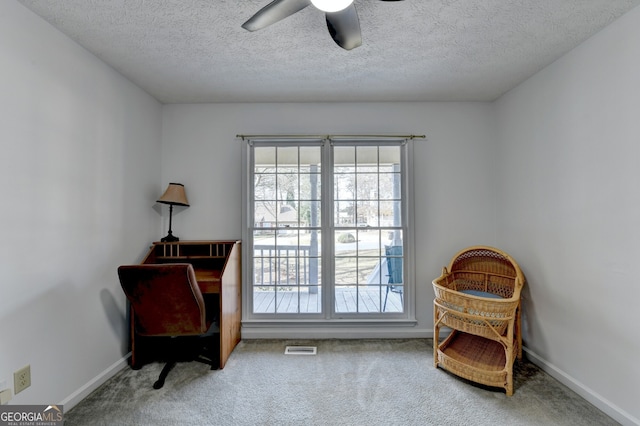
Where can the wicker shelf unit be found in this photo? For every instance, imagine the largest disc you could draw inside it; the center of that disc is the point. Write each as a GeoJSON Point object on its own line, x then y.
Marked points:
{"type": "Point", "coordinates": [478, 299]}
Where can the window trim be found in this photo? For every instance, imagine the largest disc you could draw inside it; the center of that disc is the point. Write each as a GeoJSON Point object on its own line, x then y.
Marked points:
{"type": "Point", "coordinates": [328, 316]}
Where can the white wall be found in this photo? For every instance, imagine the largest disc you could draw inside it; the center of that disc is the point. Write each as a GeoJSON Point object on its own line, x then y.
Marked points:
{"type": "Point", "coordinates": [454, 180]}
{"type": "Point", "coordinates": [80, 170]}
{"type": "Point", "coordinates": [570, 211]}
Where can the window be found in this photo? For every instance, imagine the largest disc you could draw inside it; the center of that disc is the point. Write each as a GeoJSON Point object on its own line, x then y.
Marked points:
{"type": "Point", "coordinates": [327, 222]}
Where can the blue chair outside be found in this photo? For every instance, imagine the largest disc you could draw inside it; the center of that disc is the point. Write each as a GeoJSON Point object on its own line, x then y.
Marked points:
{"type": "Point", "coordinates": [394, 267]}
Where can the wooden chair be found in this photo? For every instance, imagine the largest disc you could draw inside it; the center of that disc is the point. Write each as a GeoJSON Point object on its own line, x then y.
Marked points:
{"type": "Point", "coordinates": [167, 316]}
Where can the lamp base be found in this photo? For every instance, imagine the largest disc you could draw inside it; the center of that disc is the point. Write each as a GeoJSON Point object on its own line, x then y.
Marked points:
{"type": "Point", "coordinates": [170, 238]}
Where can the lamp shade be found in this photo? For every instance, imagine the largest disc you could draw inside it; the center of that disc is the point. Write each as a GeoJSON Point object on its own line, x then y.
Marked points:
{"type": "Point", "coordinates": [174, 195]}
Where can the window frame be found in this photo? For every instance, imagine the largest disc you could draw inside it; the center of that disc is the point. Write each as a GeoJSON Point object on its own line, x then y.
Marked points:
{"type": "Point", "coordinates": [328, 314]}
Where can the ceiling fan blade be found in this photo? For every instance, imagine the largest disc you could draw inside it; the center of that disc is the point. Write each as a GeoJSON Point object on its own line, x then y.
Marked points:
{"type": "Point", "coordinates": [274, 12]}
{"type": "Point", "coordinates": [344, 27]}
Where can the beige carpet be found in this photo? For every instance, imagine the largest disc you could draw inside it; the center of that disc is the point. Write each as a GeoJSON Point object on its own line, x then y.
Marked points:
{"type": "Point", "coordinates": [349, 382]}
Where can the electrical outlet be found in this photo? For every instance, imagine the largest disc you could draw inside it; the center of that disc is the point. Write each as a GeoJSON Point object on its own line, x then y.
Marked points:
{"type": "Point", "coordinates": [22, 379]}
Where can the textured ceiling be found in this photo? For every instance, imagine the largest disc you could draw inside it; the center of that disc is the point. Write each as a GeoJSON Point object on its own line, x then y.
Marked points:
{"type": "Point", "coordinates": [184, 51]}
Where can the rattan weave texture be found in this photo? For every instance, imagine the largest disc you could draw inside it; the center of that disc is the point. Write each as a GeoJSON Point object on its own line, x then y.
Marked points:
{"type": "Point", "coordinates": [479, 323]}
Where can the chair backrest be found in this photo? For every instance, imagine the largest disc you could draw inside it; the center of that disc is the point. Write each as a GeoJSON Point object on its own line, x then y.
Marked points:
{"type": "Point", "coordinates": [394, 263]}
{"type": "Point", "coordinates": [165, 299]}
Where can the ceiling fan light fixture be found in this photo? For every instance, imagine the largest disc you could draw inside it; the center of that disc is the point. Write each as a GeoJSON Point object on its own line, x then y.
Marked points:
{"type": "Point", "coordinates": [331, 5]}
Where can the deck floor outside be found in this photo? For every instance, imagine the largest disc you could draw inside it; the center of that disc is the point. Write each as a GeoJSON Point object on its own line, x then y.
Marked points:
{"type": "Point", "coordinates": [348, 300]}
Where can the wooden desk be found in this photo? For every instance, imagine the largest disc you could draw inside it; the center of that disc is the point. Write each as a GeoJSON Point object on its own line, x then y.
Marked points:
{"type": "Point", "coordinates": [218, 270]}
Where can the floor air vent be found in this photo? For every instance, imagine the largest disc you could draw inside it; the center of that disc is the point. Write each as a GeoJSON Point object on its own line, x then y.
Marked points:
{"type": "Point", "coordinates": [300, 350]}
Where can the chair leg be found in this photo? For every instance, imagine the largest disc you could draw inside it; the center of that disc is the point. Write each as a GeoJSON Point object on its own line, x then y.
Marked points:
{"type": "Point", "coordinates": [386, 295]}
{"type": "Point", "coordinates": [203, 348]}
{"type": "Point", "coordinates": [163, 374]}
{"type": "Point", "coordinates": [384, 307]}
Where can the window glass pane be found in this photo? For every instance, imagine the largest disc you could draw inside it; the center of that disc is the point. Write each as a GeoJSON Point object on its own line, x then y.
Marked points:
{"type": "Point", "coordinates": [394, 238]}
{"type": "Point", "coordinates": [344, 196]}
{"type": "Point", "coordinates": [367, 214]}
{"type": "Point", "coordinates": [264, 299]}
{"type": "Point", "coordinates": [369, 242]}
{"type": "Point", "coordinates": [344, 158]}
{"type": "Point", "coordinates": [367, 268]}
{"type": "Point", "coordinates": [264, 272]}
{"type": "Point", "coordinates": [389, 155]}
{"type": "Point", "coordinates": [344, 214]}
{"type": "Point", "coordinates": [369, 298]}
{"type": "Point", "coordinates": [310, 302]}
{"type": "Point", "coordinates": [264, 186]}
{"type": "Point", "coordinates": [310, 159]}
{"type": "Point", "coordinates": [367, 186]}
{"type": "Point", "coordinates": [390, 186]}
{"type": "Point", "coordinates": [264, 156]}
{"type": "Point", "coordinates": [367, 156]}
{"type": "Point", "coordinates": [344, 187]}
{"type": "Point", "coordinates": [310, 186]}
{"type": "Point", "coordinates": [346, 272]}
{"type": "Point", "coordinates": [287, 186]}
{"type": "Point", "coordinates": [263, 213]}
{"type": "Point", "coordinates": [390, 214]}
{"type": "Point", "coordinates": [310, 214]}
{"type": "Point", "coordinates": [346, 300]}
{"type": "Point", "coordinates": [262, 237]}
{"type": "Point", "coordinates": [345, 241]}
{"type": "Point", "coordinates": [287, 159]}
{"type": "Point", "coordinates": [286, 299]}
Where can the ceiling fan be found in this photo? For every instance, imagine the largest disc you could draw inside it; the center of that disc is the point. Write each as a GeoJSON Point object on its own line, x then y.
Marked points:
{"type": "Point", "coordinates": [341, 15]}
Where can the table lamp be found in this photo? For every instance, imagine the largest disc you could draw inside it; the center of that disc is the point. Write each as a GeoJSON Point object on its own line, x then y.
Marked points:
{"type": "Point", "coordinates": [174, 196]}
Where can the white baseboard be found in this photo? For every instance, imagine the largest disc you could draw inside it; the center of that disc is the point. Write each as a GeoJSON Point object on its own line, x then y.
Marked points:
{"type": "Point", "coordinates": [93, 384]}
{"type": "Point", "coordinates": [585, 392]}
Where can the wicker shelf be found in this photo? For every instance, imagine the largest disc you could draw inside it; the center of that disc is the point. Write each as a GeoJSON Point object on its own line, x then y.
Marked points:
{"type": "Point", "coordinates": [474, 358]}
{"type": "Point", "coordinates": [478, 298]}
